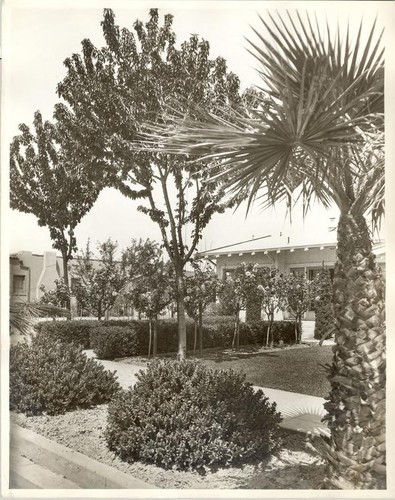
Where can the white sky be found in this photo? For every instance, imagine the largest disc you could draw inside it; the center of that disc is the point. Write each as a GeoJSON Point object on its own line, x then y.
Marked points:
{"type": "Point", "coordinates": [37, 39]}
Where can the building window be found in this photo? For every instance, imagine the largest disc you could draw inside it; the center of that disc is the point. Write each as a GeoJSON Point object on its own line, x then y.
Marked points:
{"type": "Point", "coordinates": [228, 273]}
{"type": "Point", "coordinates": [297, 271]}
{"type": "Point", "coordinates": [18, 284]}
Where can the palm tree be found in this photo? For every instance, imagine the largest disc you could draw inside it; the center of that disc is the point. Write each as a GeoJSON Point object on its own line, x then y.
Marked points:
{"type": "Point", "coordinates": [318, 134]}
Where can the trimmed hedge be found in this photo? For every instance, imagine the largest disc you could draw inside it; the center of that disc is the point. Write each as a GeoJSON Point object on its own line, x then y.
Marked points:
{"type": "Point", "coordinates": [183, 415]}
{"type": "Point", "coordinates": [53, 377]}
{"type": "Point", "coordinates": [109, 342]}
{"type": "Point", "coordinates": [217, 332]}
{"type": "Point", "coordinates": [76, 332]}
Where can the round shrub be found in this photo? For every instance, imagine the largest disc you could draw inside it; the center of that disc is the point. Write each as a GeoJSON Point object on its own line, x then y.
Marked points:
{"type": "Point", "coordinates": [182, 415]}
{"type": "Point", "coordinates": [109, 342]}
{"type": "Point", "coordinates": [53, 377]}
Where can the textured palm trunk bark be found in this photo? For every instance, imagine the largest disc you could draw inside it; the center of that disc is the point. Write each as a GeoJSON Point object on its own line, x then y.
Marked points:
{"type": "Point", "coordinates": [356, 403]}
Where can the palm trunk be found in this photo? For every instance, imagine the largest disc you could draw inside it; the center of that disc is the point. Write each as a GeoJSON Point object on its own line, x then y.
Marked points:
{"type": "Point", "coordinates": [356, 404]}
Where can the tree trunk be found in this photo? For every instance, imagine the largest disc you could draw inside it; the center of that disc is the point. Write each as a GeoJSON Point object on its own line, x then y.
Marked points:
{"type": "Point", "coordinates": [155, 339]}
{"type": "Point", "coordinates": [99, 311]}
{"type": "Point", "coordinates": [149, 337]}
{"type": "Point", "coordinates": [195, 337]}
{"type": "Point", "coordinates": [356, 403]}
{"type": "Point", "coordinates": [65, 261]}
{"type": "Point", "coordinates": [200, 332]}
{"type": "Point", "coordinates": [236, 329]}
{"type": "Point", "coordinates": [182, 326]}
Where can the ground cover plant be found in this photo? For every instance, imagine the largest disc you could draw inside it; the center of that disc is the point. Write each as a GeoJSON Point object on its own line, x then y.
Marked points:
{"type": "Point", "coordinates": [183, 415]}
{"type": "Point", "coordinates": [52, 377]}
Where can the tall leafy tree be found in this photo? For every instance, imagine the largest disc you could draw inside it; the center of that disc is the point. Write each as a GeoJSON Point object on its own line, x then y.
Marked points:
{"type": "Point", "coordinates": [322, 132]}
{"type": "Point", "coordinates": [99, 280]}
{"type": "Point", "coordinates": [111, 92]}
{"type": "Point", "coordinates": [46, 181]}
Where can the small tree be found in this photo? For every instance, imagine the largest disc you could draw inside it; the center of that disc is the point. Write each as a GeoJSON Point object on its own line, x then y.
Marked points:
{"type": "Point", "coordinates": [59, 297]}
{"type": "Point", "coordinates": [152, 283]}
{"type": "Point", "coordinates": [100, 282]}
{"type": "Point", "coordinates": [237, 290]}
{"type": "Point", "coordinates": [272, 290]}
{"type": "Point", "coordinates": [200, 291]}
{"type": "Point", "coordinates": [298, 297]}
{"type": "Point", "coordinates": [46, 182]}
{"type": "Point", "coordinates": [325, 321]}
{"type": "Point", "coordinates": [150, 295]}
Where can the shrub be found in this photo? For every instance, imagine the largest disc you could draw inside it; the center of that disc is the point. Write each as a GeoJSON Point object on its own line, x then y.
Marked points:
{"type": "Point", "coordinates": [109, 342]}
{"type": "Point", "coordinates": [183, 415]}
{"type": "Point", "coordinates": [53, 377]}
{"type": "Point", "coordinates": [255, 332]}
{"type": "Point", "coordinates": [76, 332]}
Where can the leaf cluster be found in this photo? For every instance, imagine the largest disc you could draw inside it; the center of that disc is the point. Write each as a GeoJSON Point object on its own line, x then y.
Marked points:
{"type": "Point", "coordinates": [183, 415]}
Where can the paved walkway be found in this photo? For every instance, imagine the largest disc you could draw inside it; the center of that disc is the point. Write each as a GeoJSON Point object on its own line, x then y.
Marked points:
{"type": "Point", "coordinates": [300, 412]}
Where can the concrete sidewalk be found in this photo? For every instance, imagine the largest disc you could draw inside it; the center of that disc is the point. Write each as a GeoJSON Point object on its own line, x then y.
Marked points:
{"type": "Point", "coordinates": [301, 412]}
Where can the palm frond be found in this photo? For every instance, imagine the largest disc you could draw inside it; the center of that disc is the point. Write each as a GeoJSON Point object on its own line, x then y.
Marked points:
{"type": "Point", "coordinates": [24, 314]}
{"type": "Point", "coordinates": [320, 95]}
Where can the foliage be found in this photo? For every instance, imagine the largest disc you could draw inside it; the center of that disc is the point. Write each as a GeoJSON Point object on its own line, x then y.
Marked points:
{"type": "Point", "coordinates": [23, 315]}
{"type": "Point", "coordinates": [152, 286]}
{"type": "Point", "coordinates": [182, 415]}
{"type": "Point", "coordinates": [200, 291]}
{"type": "Point", "coordinates": [59, 297]}
{"type": "Point", "coordinates": [46, 181]}
{"type": "Point", "coordinates": [319, 135]}
{"type": "Point", "coordinates": [298, 292]}
{"type": "Point", "coordinates": [109, 342]}
{"type": "Point", "coordinates": [55, 377]}
{"type": "Point", "coordinates": [111, 92]}
{"type": "Point", "coordinates": [76, 332]}
{"type": "Point", "coordinates": [99, 285]}
{"type": "Point", "coordinates": [236, 290]}
{"type": "Point", "coordinates": [272, 286]}
{"type": "Point", "coordinates": [325, 320]}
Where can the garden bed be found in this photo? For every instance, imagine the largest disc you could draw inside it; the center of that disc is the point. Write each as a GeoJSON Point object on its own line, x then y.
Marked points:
{"type": "Point", "coordinates": [297, 368]}
{"type": "Point", "coordinates": [295, 467]}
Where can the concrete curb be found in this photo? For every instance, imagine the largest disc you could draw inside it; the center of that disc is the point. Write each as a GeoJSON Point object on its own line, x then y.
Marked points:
{"type": "Point", "coordinates": [76, 467]}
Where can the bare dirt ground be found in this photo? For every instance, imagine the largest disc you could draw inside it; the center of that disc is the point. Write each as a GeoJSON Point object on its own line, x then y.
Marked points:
{"type": "Point", "coordinates": [295, 467]}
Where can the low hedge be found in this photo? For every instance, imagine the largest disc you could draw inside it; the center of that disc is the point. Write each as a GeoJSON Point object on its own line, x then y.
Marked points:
{"type": "Point", "coordinates": [182, 415]}
{"type": "Point", "coordinates": [76, 332]}
{"type": "Point", "coordinates": [109, 342]}
{"type": "Point", "coordinates": [53, 377]}
{"type": "Point", "coordinates": [217, 332]}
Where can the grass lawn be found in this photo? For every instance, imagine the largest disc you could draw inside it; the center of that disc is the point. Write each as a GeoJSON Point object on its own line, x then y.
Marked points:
{"type": "Point", "coordinates": [295, 370]}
